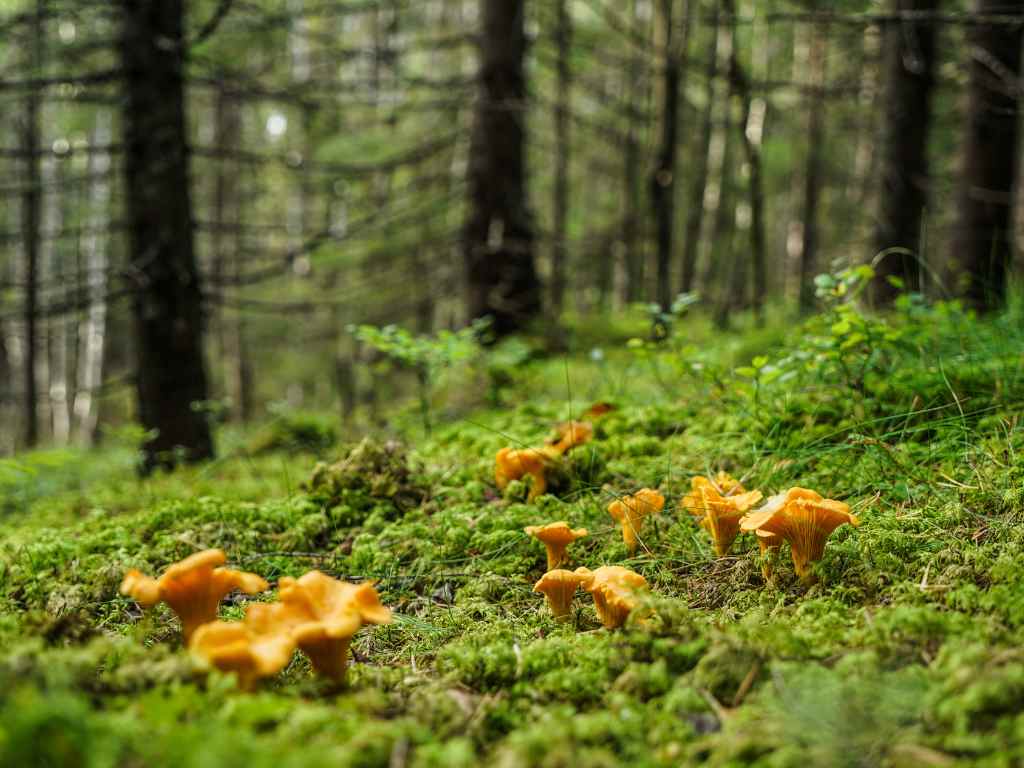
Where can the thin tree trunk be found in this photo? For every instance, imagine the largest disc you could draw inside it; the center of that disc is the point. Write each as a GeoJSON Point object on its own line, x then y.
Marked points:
{"type": "Point", "coordinates": [983, 240]}
{"type": "Point", "coordinates": [167, 299]}
{"type": "Point", "coordinates": [93, 331]}
{"type": "Point", "coordinates": [53, 367]}
{"type": "Point", "coordinates": [721, 207]}
{"type": "Point", "coordinates": [909, 68]}
{"type": "Point", "coordinates": [813, 173]}
{"type": "Point", "coordinates": [31, 219]}
{"type": "Point", "coordinates": [695, 211]}
{"type": "Point", "coordinates": [633, 252]}
{"type": "Point", "coordinates": [563, 40]}
{"type": "Point", "coordinates": [498, 239]}
{"type": "Point", "coordinates": [670, 41]}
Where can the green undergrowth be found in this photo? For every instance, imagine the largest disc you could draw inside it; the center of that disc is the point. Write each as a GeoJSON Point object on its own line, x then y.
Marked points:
{"type": "Point", "coordinates": [909, 651]}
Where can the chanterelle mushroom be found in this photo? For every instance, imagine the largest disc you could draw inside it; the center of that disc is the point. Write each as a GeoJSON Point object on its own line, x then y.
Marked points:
{"type": "Point", "coordinates": [572, 434]}
{"type": "Point", "coordinates": [805, 520]}
{"type": "Point", "coordinates": [556, 537]}
{"type": "Point", "coordinates": [326, 613]}
{"type": "Point", "coordinates": [513, 464]}
{"type": "Point", "coordinates": [719, 514]}
{"type": "Point", "coordinates": [260, 646]}
{"type": "Point", "coordinates": [559, 587]}
{"type": "Point", "coordinates": [193, 588]}
{"type": "Point", "coordinates": [630, 511]}
{"type": "Point", "coordinates": [615, 592]}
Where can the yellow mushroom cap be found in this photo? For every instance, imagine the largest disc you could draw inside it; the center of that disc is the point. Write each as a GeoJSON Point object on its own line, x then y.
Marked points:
{"type": "Point", "coordinates": [572, 434]}
{"type": "Point", "coordinates": [614, 589]}
{"type": "Point", "coordinates": [555, 537]}
{"type": "Point", "coordinates": [251, 649]}
{"type": "Point", "coordinates": [630, 511]}
{"type": "Point", "coordinates": [193, 587]}
{"type": "Point", "coordinates": [803, 518]}
{"type": "Point", "coordinates": [513, 464]}
{"type": "Point", "coordinates": [559, 586]}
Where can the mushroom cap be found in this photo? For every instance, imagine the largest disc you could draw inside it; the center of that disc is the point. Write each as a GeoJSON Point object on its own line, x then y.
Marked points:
{"type": "Point", "coordinates": [252, 649]}
{"type": "Point", "coordinates": [318, 597]}
{"type": "Point", "coordinates": [598, 409]}
{"type": "Point", "coordinates": [555, 533]}
{"type": "Point", "coordinates": [571, 434]}
{"type": "Point", "coordinates": [559, 579]}
{"type": "Point", "coordinates": [513, 463]}
{"type": "Point", "coordinates": [644, 502]}
{"type": "Point", "coordinates": [614, 576]}
{"type": "Point", "coordinates": [724, 488]}
{"type": "Point", "coordinates": [615, 592]}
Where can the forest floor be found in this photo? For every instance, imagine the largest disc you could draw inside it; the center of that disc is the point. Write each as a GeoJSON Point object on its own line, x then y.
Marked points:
{"type": "Point", "coordinates": [909, 651]}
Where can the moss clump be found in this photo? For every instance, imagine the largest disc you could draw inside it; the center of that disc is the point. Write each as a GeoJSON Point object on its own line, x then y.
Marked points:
{"type": "Point", "coordinates": [371, 472]}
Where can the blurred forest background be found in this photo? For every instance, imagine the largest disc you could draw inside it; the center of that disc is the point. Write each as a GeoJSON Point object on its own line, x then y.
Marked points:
{"type": "Point", "coordinates": [201, 200]}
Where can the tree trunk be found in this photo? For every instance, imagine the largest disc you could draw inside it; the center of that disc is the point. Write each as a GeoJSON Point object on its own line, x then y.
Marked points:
{"type": "Point", "coordinates": [909, 74]}
{"type": "Point", "coordinates": [633, 252]}
{"type": "Point", "coordinates": [670, 42]}
{"type": "Point", "coordinates": [983, 240]}
{"type": "Point", "coordinates": [498, 239]}
{"type": "Point", "coordinates": [31, 219]}
{"type": "Point", "coordinates": [813, 172]}
{"type": "Point", "coordinates": [54, 363]}
{"type": "Point", "coordinates": [721, 208]}
{"type": "Point", "coordinates": [563, 40]}
{"type": "Point", "coordinates": [695, 212]}
{"type": "Point", "coordinates": [93, 330]}
{"type": "Point", "coordinates": [167, 298]}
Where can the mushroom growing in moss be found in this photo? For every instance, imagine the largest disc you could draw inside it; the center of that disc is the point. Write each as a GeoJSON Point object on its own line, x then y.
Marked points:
{"type": "Point", "coordinates": [719, 514]}
{"type": "Point", "coordinates": [326, 613]}
{"type": "Point", "coordinates": [260, 646]}
{"type": "Point", "coordinates": [615, 591]}
{"type": "Point", "coordinates": [559, 586]}
{"type": "Point", "coordinates": [513, 464]}
{"type": "Point", "coordinates": [555, 537]}
{"type": "Point", "coordinates": [630, 511]}
{"type": "Point", "coordinates": [193, 588]}
{"type": "Point", "coordinates": [572, 434]}
{"type": "Point", "coordinates": [804, 519]}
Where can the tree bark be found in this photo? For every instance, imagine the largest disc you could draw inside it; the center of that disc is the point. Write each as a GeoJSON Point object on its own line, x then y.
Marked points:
{"type": "Point", "coordinates": [909, 74]}
{"type": "Point", "coordinates": [813, 172]}
{"type": "Point", "coordinates": [695, 211]}
{"type": "Point", "coordinates": [498, 240]}
{"type": "Point", "coordinates": [167, 298]}
{"type": "Point", "coordinates": [31, 219]}
{"type": "Point", "coordinates": [563, 40]}
{"type": "Point", "coordinates": [670, 42]}
{"type": "Point", "coordinates": [983, 240]}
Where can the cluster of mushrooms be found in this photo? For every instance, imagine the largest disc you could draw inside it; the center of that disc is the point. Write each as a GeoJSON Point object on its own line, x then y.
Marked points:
{"type": "Point", "coordinates": [799, 517]}
{"type": "Point", "coordinates": [315, 613]}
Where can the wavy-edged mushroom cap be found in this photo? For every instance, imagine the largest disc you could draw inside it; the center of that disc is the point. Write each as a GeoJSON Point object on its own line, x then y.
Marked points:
{"type": "Point", "coordinates": [630, 511]}
{"type": "Point", "coordinates": [193, 587]}
{"type": "Point", "coordinates": [572, 434]}
{"type": "Point", "coordinates": [804, 519]}
{"type": "Point", "coordinates": [721, 514]}
{"type": "Point", "coordinates": [615, 592]}
{"type": "Point", "coordinates": [559, 586]}
{"type": "Point", "coordinates": [327, 613]}
{"type": "Point", "coordinates": [261, 646]}
{"type": "Point", "coordinates": [513, 464]}
{"type": "Point", "coordinates": [555, 537]}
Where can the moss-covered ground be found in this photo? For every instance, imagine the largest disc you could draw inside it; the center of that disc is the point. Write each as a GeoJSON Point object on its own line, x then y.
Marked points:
{"type": "Point", "coordinates": [909, 651]}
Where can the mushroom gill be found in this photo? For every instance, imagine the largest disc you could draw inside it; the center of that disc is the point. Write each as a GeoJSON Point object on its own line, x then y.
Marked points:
{"type": "Point", "coordinates": [615, 591]}
{"type": "Point", "coordinates": [193, 588]}
{"type": "Point", "coordinates": [559, 587]}
{"type": "Point", "coordinates": [804, 519]}
{"type": "Point", "coordinates": [555, 537]}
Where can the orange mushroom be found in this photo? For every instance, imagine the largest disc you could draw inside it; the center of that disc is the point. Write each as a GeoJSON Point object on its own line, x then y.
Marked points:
{"type": "Point", "coordinates": [556, 537]}
{"type": "Point", "coordinates": [559, 587]}
{"type": "Point", "coordinates": [325, 614]}
{"type": "Point", "coordinates": [615, 592]}
{"type": "Point", "coordinates": [193, 588]}
{"type": "Point", "coordinates": [260, 646]}
{"type": "Point", "coordinates": [804, 519]}
{"type": "Point", "coordinates": [630, 511]}
{"type": "Point", "coordinates": [513, 464]}
{"type": "Point", "coordinates": [719, 514]}
{"type": "Point", "coordinates": [598, 409]}
{"type": "Point", "coordinates": [572, 434]}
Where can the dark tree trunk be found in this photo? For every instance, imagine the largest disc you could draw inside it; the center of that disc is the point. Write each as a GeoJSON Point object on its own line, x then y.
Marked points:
{"type": "Point", "coordinates": [498, 240]}
{"type": "Point", "coordinates": [31, 220]}
{"type": "Point", "coordinates": [909, 75]}
{"type": "Point", "coordinates": [983, 241]}
{"type": "Point", "coordinates": [695, 211]}
{"type": "Point", "coordinates": [167, 301]}
{"type": "Point", "coordinates": [813, 172]}
{"type": "Point", "coordinates": [563, 40]}
{"type": "Point", "coordinates": [670, 40]}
